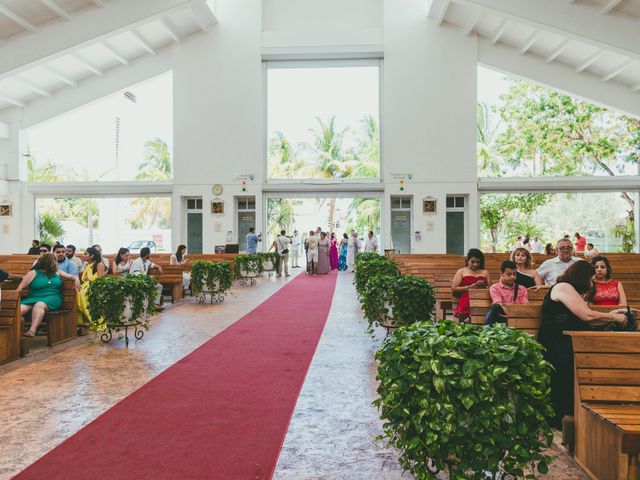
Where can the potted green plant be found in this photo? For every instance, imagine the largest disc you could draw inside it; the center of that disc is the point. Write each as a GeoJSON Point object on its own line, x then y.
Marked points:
{"type": "Point", "coordinates": [393, 301]}
{"type": "Point", "coordinates": [116, 302]}
{"type": "Point", "coordinates": [471, 401]}
{"type": "Point", "coordinates": [214, 278]}
{"type": "Point", "coordinates": [367, 268]}
{"type": "Point", "coordinates": [269, 261]}
{"type": "Point", "coordinates": [365, 256]}
{"type": "Point", "coordinates": [248, 267]}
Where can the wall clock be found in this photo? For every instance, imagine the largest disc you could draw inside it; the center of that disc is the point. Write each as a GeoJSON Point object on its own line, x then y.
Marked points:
{"type": "Point", "coordinates": [217, 189]}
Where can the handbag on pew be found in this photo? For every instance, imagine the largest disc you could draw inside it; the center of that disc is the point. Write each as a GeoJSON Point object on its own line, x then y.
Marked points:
{"type": "Point", "coordinates": [631, 326]}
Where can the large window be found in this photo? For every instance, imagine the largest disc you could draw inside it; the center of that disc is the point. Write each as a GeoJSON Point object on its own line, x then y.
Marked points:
{"type": "Point", "coordinates": [605, 219]}
{"type": "Point", "coordinates": [110, 222]}
{"type": "Point", "coordinates": [323, 120]}
{"type": "Point", "coordinates": [123, 137]}
{"type": "Point", "coordinates": [525, 129]}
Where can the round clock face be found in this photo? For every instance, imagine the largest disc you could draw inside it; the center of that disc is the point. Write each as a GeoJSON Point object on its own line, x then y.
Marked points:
{"type": "Point", "coordinates": [217, 189]}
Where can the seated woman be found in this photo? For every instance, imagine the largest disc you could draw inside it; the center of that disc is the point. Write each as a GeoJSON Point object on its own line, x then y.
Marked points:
{"type": "Point", "coordinates": [473, 275]}
{"type": "Point", "coordinates": [607, 290]}
{"type": "Point", "coordinates": [45, 290]}
{"type": "Point", "coordinates": [122, 262]}
{"type": "Point", "coordinates": [564, 308]}
{"type": "Point", "coordinates": [549, 249]}
{"type": "Point", "coordinates": [95, 269]}
{"type": "Point", "coordinates": [179, 258]}
{"type": "Point", "coordinates": [526, 276]}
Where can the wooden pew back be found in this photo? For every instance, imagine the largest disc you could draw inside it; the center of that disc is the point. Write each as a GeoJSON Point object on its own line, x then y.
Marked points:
{"type": "Point", "coordinates": [9, 326]}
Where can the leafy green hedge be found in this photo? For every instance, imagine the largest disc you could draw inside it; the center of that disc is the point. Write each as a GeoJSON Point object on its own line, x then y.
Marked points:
{"type": "Point", "coordinates": [366, 256]}
{"type": "Point", "coordinates": [471, 399]}
{"type": "Point", "coordinates": [411, 300]}
{"type": "Point", "coordinates": [106, 297]}
{"type": "Point", "coordinates": [217, 276]}
{"type": "Point", "coordinates": [371, 266]}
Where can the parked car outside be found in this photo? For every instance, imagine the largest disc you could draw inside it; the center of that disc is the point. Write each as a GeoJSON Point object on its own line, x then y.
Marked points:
{"type": "Point", "coordinates": [137, 245]}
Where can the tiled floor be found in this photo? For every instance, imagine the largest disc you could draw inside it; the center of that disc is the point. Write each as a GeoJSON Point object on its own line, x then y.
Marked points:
{"type": "Point", "coordinates": [49, 396]}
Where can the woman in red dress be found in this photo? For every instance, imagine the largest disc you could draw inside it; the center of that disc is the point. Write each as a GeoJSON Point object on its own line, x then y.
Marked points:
{"type": "Point", "coordinates": [607, 290]}
{"type": "Point", "coordinates": [473, 275]}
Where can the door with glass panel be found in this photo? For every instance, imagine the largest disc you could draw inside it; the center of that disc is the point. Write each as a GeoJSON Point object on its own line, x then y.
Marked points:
{"type": "Point", "coordinates": [194, 225]}
{"type": "Point", "coordinates": [401, 224]}
{"type": "Point", "coordinates": [246, 208]}
{"type": "Point", "coordinates": [456, 220]}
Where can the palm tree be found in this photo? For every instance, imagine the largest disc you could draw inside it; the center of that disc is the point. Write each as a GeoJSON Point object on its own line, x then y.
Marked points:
{"type": "Point", "coordinates": [50, 229]}
{"type": "Point", "coordinates": [156, 167]}
{"type": "Point", "coordinates": [368, 152]}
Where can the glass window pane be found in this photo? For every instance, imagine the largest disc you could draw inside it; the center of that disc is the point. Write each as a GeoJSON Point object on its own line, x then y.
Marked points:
{"type": "Point", "coordinates": [459, 202]}
{"type": "Point", "coordinates": [110, 222]}
{"type": "Point", "coordinates": [112, 139]}
{"type": "Point", "coordinates": [191, 204]}
{"type": "Point", "coordinates": [251, 203]}
{"type": "Point", "coordinates": [396, 202]}
{"type": "Point", "coordinates": [450, 202]}
{"type": "Point", "coordinates": [199, 204]}
{"type": "Point", "coordinates": [603, 218]}
{"type": "Point", "coordinates": [323, 122]}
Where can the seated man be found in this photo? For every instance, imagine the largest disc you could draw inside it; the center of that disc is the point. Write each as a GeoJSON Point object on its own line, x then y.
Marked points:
{"type": "Point", "coordinates": [551, 269]}
{"type": "Point", "coordinates": [505, 292]}
{"type": "Point", "coordinates": [64, 264]}
{"type": "Point", "coordinates": [71, 255]}
{"type": "Point", "coordinates": [141, 266]}
{"type": "Point", "coordinates": [35, 248]}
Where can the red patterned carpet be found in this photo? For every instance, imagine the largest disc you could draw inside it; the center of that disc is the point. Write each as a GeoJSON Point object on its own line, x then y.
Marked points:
{"type": "Point", "coordinates": [219, 413]}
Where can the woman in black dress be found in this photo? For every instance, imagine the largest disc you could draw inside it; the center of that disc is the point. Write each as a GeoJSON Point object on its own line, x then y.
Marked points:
{"type": "Point", "coordinates": [526, 275]}
{"type": "Point", "coordinates": [564, 308]}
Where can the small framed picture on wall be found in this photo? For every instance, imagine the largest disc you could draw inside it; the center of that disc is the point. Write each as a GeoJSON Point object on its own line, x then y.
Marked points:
{"type": "Point", "coordinates": [429, 205]}
{"type": "Point", "coordinates": [217, 207]}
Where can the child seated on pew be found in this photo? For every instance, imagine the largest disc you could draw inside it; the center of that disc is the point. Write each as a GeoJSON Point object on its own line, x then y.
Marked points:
{"type": "Point", "coordinates": [505, 292]}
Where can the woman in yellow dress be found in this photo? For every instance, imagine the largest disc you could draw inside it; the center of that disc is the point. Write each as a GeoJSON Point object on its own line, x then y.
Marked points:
{"type": "Point", "coordinates": [94, 269]}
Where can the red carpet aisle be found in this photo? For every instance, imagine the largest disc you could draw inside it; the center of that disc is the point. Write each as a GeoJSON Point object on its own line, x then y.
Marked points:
{"type": "Point", "coordinates": [219, 413]}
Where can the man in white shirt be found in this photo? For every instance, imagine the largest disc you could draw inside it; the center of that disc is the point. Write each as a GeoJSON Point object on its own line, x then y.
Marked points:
{"type": "Point", "coordinates": [141, 266]}
{"type": "Point", "coordinates": [551, 269]}
{"type": "Point", "coordinates": [370, 244]}
{"type": "Point", "coordinates": [282, 245]}
{"type": "Point", "coordinates": [536, 246]}
{"type": "Point", "coordinates": [312, 253]}
{"type": "Point", "coordinates": [295, 247]}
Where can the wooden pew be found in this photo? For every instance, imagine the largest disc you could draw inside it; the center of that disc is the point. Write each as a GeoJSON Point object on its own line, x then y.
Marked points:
{"type": "Point", "coordinates": [9, 326]}
{"type": "Point", "coordinates": [607, 403]}
{"type": "Point", "coordinates": [60, 325]}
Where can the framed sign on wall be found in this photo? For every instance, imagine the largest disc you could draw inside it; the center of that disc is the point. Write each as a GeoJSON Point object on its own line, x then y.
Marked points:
{"type": "Point", "coordinates": [429, 205]}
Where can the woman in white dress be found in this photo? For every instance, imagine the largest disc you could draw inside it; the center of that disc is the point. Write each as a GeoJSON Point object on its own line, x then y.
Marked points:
{"type": "Point", "coordinates": [352, 250]}
{"type": "Point", "coordinates": [179, 258]}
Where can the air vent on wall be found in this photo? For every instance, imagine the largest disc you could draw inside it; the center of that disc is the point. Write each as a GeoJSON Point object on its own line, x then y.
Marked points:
{"type": "Point", "coordinates": [130, 96]}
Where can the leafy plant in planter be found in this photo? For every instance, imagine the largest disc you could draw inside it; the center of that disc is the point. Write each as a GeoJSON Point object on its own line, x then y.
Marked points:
{"type": "Point", "coordinates": [269, 260]}
{"type": "Point", "coordinates": [368, 268]}
{"type": "Point", "coordinates": [366, 256]}
{"type": "Point", "coordinates": [465, 399]}
{"type": "Point", "coordinates": [108, 296]}
{"type": "Point", "coordinates": [390, 300]}
{"type": "Point", "coordinates": [213, 277]}
{"type": "Point", "coordinates": [248, 265]}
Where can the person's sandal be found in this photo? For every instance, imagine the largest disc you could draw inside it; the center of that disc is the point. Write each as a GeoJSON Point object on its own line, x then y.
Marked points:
{"type": "Point", "coordinates": [29, 334]}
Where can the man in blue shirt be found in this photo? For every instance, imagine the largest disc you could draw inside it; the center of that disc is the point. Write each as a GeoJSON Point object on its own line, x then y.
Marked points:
{"type": "Point", "coordinates": [64, 264]}
{"type": "Point", "coordinates": [252, 240]}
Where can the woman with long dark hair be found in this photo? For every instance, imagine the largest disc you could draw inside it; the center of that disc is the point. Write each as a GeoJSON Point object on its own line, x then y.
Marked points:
{"type": "Point", "coordinates": [179, 258]}
{"type": "Point", "coordinates": [473, 275]}
{"type": "Point", "coordinates": [564, 308]}
{"type": "Point", "coordinates": [122, 262]}
{"type": "Point", "coordinates": [608, 291]}
{"type": "Point", "coordinates": [95, 269]}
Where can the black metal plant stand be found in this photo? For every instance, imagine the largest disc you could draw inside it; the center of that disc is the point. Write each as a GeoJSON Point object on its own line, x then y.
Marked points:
{"type": "Point", "coordinates": [215, 297]}
{"type": "Point", "coordinates": [247, 281]}
{"type": "Point", "coordinates": [107, 335]}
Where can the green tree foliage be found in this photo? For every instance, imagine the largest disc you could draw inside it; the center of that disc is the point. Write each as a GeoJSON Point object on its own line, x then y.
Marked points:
{"type": "Point", "coordinates": [50, 229]}
{"type": "Point", "coordinates": [280, 215]}
{"type": "Point", "coordinates": [496, 207]}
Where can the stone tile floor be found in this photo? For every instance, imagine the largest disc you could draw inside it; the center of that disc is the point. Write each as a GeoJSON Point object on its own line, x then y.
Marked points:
{"type": "Point", "coordinates": [51, 394]}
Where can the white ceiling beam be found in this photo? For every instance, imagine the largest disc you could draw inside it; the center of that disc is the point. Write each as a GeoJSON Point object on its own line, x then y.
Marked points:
{"type": "Point", "coordinates": [115, 54]}
{"type": "Point", "coordinates": [438, 10]}
{"type": "Point", "coordinates": [33, 87]}
{"type": "Point", "coordinates": [204, 13]}
{"type": "Point", "coordinates": [143, 42]}
{"type": "Point", "coordinates": [559, 76]}
{"type": "Point", "coordinates": [93, 88]}
{"type": "Point", "coordinates": [559, 49]}
{"type": "Point", "coordinates": [618, 70]}
{"type": "Point", "coordinates": [24, 23]}
{"type": "Point", "coordinates": [86, 27]}
{"type": "Point", "coordinates": [56, 8]}
{"type": "Point", "coordinates": [610, 6]}
{"type": "Point", "coordinates": [13, 101]}
{"type": "Point", "coordinates": [472, 24]}
{"type": "Point", "coordinates": [92, 68]}
{"type": "Point", "coordinates": [63, 78]}
{"type": "Point", "coordinates": [533, 38]}
{"type": "Point", "coordinates": [614, 33]}
{"type": "Point", "coordinates": [170, 30]}
{"type": "Point", "coordinates": [499, 32]}
{"type": "Point", "coordinates": [589, 60]}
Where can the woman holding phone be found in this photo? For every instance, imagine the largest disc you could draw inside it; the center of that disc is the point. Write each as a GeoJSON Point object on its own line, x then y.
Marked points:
{"type": "Point", "coordinates": [473, 275]}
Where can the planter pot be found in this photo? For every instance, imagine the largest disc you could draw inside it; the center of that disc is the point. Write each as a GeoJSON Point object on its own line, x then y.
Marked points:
{"type": "Point", "coordinates": [387, 320]}
{"type": "Point", "coordinates": [127, 313]}
{"type": "Point", "coordinates": [268, 265]}
{"type": "Point", "coordinates": [248, 274]}
{"type": "Point", "coordinates": [205, 287]}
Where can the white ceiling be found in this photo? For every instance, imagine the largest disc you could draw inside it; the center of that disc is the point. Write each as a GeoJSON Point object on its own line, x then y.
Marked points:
{"type": "Point", "coordinates": [50, 45]}
{"type": "Point", "coordinates": [590, 48]}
